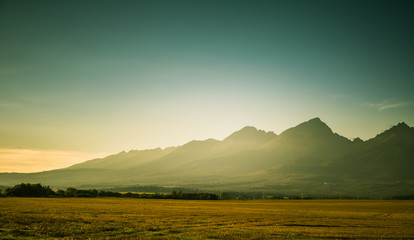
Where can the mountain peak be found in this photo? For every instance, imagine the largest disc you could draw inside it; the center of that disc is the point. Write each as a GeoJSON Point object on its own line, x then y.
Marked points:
{"type": "Point", "coordinates": [313, 128]}
{"type": "Point", "coordinates": [315, 124]}
{"type": "Point", "coordinates": [358, 140]}
{"type": "Point", "coordinates": [249, 132]}
{"type": "Point", "coordinates": [400, 130]}
{"type": "Point", "coordinates": [248, 128]}
{"type": "Point", "coordinates": [403, 128]}
{"type": "Point", "coordinates": [315, 120]}
{"type": "Point", "coordinates": [400, 127]}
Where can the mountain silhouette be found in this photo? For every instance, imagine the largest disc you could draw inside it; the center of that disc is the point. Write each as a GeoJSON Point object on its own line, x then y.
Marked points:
{"type": "Point", "coordinates": [250, 135]}
{"type": "Point", "coordinates": [308, 158]}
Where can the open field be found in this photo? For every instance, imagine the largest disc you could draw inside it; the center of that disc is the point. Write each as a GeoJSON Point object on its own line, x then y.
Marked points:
{"type": "Point", "coordinates": [80, 218]}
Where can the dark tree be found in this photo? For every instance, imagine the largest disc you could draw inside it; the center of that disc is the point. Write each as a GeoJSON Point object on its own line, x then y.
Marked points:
{"type": "Point", "coordinates": [29, 190]}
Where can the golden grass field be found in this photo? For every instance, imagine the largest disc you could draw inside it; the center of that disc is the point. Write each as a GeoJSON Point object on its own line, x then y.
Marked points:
{"type": "Point", "coordinates": [114, 218]}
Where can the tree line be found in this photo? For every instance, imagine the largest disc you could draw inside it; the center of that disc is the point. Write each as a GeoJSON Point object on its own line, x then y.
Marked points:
{"type": "Point", "coordinates": [37, 190]}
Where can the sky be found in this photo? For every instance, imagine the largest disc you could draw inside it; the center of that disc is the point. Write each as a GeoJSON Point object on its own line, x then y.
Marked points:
{"type": "Point", "coordinates": [84, 79]}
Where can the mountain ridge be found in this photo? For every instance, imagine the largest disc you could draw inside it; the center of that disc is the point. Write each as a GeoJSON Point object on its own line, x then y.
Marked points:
{"type": "Point", "coordinates": [304, 156]}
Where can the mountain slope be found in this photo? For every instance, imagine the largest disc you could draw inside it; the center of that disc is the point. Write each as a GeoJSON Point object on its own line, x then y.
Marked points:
{"type": "Point", "coordinates": [247, 138]}
{"type": "Point", "coordinates": [387, 157]}
{"type": "Point", "coordinates": [309, 156]}
{"type": "Point", "coordinates": [124, 160]}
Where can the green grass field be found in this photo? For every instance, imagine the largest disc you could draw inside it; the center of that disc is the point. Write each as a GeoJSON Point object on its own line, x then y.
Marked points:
{"type": "Point", "coordinates": [114, 218]}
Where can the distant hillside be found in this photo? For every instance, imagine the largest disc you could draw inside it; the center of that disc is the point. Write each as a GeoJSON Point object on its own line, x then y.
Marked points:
{"type": "Point", "coordinates": [308, 158]}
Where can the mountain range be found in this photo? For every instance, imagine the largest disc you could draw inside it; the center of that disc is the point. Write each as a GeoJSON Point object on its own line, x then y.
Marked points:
{"type": "Point", "coordinates": [309, 158]}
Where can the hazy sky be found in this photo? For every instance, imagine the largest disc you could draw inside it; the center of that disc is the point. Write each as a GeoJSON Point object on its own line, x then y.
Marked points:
{"type": "Point", "coordinates": [97, 77]}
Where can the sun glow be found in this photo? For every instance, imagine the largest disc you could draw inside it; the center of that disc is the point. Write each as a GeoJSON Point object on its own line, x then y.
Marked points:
{"type": "Point", "coordinates": [31, 160]}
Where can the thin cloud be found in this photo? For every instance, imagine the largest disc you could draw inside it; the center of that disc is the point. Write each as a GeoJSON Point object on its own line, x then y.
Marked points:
{"type": "Point", "coordinates": [342, 96]}
{"type": "Point", "coordinates": [9, 104]}
{"type": "Point", "coordinates": [385, 105]}
{"type": "Point", "coordinates": [25, 101]}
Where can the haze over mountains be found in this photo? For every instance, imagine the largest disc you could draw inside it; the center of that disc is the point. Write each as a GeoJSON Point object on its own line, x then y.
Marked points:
{"type": "Point", "coordinates": [308, 158]}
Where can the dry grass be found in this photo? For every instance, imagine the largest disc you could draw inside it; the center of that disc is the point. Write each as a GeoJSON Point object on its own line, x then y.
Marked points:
{"type": "Point", "coordinates": [112, 218]}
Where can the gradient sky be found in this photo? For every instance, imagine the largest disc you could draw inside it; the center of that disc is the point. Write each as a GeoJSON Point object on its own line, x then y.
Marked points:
{"type": "Point", "coordinates": [95, 77]}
